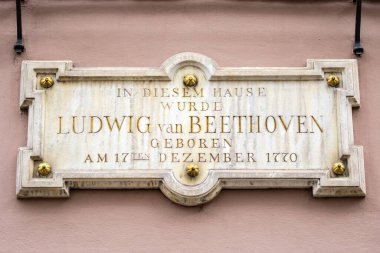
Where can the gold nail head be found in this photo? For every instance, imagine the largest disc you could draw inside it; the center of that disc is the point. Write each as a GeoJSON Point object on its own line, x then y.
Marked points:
{"type": "Point", "coordinates": [192, 170]}
{"type": "Point", "coordinates": [190, 80]}
{"type": "Point", "coordinates": [46, 82]}
{"type": "Point", "coordinates": [338, 168]}
{"type": "Point", "coordinates": [44, 169]}
{"type": "Point", "coordinates": [333, 81]}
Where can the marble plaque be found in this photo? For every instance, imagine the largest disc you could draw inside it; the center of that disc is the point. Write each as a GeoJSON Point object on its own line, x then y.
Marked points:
{"type": "Point", "coordinates": [143, 128]}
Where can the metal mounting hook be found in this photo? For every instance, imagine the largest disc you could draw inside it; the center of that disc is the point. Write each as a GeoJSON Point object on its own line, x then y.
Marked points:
{"type": "Point", "coordinates": [358, 49]}
{"type": "Point", "coordinates": [19, 46]}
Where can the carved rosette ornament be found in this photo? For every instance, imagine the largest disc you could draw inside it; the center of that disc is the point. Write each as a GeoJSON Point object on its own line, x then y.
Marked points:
{"type": "Point", "coordinates": [338, 168]}
{"type": "Point", "coordinates": [190, 80]}
{"type": "Point", "coordinates": [192, 170]}
{"type": "Point", "coordinates": [44, 169]}
{"type": "Point", "coordinates": [333, 80]}
{"type": "Point", "coordinates": [46, 82]}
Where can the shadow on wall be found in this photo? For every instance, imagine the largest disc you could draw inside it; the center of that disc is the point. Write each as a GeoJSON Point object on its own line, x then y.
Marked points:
{"type": "Point", "coordinates": [132, 7]}
{"type": "Point", "coordinates": [152, 199]}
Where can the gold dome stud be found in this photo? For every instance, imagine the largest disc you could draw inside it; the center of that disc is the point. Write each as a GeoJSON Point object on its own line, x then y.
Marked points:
{"type": "Point", "coordinates": [46, 82]}
{"type": "Point", "coordinates": [190, 80]}
{"type": "Point", "coordinates": [338, 168]}
{"type": "Point", "coordinates": [333, 81]}
{"type": "Point", "coordinates": [44, 169]}
{"type": "Point", "coordinates": [192, 170]}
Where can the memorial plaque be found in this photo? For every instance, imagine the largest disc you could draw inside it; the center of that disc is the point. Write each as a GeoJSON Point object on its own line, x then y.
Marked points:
{"type": "Point", "coordinates": [190, 128]}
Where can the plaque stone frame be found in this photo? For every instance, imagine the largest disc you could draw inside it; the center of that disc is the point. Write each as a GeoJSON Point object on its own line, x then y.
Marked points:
{"type": "Point", "coordinates": [323, 182]}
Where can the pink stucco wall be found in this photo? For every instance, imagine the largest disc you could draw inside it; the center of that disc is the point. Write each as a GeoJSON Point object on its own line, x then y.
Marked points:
{"type": "Point", "coordinates": [145, 33]}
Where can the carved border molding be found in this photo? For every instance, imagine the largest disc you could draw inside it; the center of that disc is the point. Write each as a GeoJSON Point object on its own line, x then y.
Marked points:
{"type": "Point", "coordinates": [321, 181]}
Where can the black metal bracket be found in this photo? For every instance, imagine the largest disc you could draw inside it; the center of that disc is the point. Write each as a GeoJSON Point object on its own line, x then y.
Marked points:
{"type": "Point", "coordinates": [19, 46]}
{"type": "Point", "coordinates": [358, 49]}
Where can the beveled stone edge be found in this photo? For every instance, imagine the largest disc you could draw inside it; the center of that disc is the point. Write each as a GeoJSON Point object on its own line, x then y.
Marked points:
{"type": "Point", "coordinates": [324, 186]}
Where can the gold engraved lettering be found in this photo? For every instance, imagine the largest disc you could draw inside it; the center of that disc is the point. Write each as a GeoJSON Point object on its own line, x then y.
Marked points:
{"type": "Point", "coordinates": [214, 158]}
{"type": "Point", "coordinates": [202, 143]}
{"type": "Point", "coordinates": [146, 92]}
{"type": "Point", "coordinates": [102, 158]}
{"type": "Point", "coordinates": [186, 93]}
{"type": "Point", "coordinates": [175, 158]}
{"type": "Point", "coordinates": [301, 123]}
{"type": "Point", "coordinates": [162, 157]}
{"type": "Point", "coordinates": [227, 157]}
{"type": "Point", "coordinates": [239, 123]}
{"type": "Point", "coordinates": [191, 143]}
{"type": "Point", "coordinates": [238, 157]}
{"type": "Point", "coordinates": [215, 143]}
{"type": "Point", "coordinates": [179, 143]}
{"type": "Point", "coordinates": [198, 92]}
{"type": "Point", "coordinates": [262, 92]}
{"type": "Point", "coordinates": [60, 126]}
{"type": "Point", "coordinates": [100, 124]}
{"type": "Point", "coordinates": [286, 127]}
{"type": "Point", "coordinates": [316, 122]}
{"type": "Point", "coordinates": [218, 106]}
{"type": "Point", "coordinates": [88, 159]}
{"type": "Point", "coordinates": [115, 122]}
{"type": "Point", "coordinates": [224, 124]}
{"type": "Point", "coordinates": [194, 123]}
{"type": "Point", "coordinates": [201, 157]}
{"type": "Point", "coordinates": [123, 92]}
{"type": "Point", "coordinates": [274, 125]}
{"type": "Point", "coordinates": [168, 143]}
{"type": "Point", "coordinates": [147, 125]}
{"type": "Point", "coordinates": [165, 92]}
{"type": "Point", "coordinates": [154, 143]}
{"type": "Point", "coordinates": [251, 158]}
{"type": "Point", "coordinates": [258, 124]}
{"type": "Point", "coordinates": [187, 157]}
{"type": "Point", "coordinates": [208, 124]}
{"type": "Point", "coordinates": [167, 106]}
{"type": "Point", "coordinates": [74, 125]}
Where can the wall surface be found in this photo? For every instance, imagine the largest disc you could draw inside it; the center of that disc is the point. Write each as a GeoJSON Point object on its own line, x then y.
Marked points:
{"type": "Point", "coordinates": [233, 33]}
